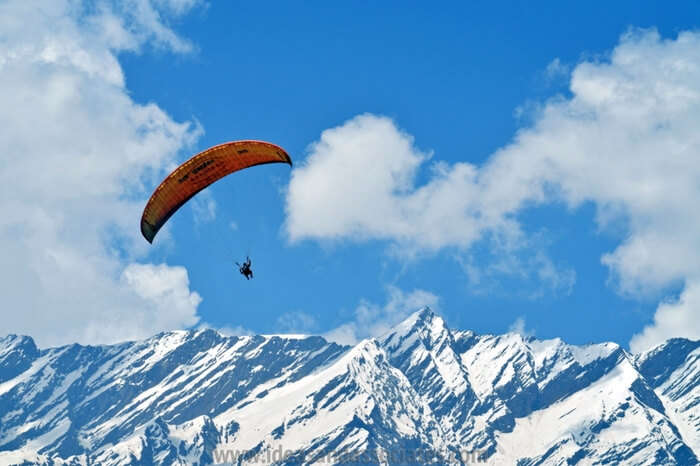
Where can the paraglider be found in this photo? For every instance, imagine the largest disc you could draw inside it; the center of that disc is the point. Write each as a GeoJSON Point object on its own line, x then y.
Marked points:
{"type": "Point", "coordinates": [245, 269]}
{"type": "Point", "coordinates": [199, 172]}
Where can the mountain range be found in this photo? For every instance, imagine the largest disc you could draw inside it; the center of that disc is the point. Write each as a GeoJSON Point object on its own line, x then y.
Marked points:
{"type": "Point", "coordinates": [421, 393]}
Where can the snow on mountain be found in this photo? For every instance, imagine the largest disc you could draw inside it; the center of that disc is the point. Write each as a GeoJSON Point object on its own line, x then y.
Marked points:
{"type": "Point", "coordinates": [421, 393]}
{"type": "Point", "coordinates": [673, 370]}
{"type": "Point", "coordinates": [424, 350]}
{"type": "Point", "coordinates": [514, 376]}
{"type": "Point", "coordinates": [616, 420]}
{"type": "Point", "coordinates": [76, 399]}
{"type": "Point", "coordinates": [360, 404]}
{"type": "Point", "coordinates": [16, 355]}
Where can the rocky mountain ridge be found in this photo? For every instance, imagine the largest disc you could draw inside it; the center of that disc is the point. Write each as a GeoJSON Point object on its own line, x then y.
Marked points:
{"type": "Point", "coordinates": [421, 393]}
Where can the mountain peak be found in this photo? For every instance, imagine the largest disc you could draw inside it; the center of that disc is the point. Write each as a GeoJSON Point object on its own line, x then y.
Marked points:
{"type": "Point", "coordinates": [423, 348]}
{"type": "Point", "coordinates": [658, 363]}
{"type": "Point", "coordinates": [13, 340]}
{"type": "Point", "coordinates": [17, 352]}
{"type": "Point", "coordinates": [422, 321]}
{"type": "Point", "coordinates": [184, 397]}
{"type": "Point", "coordinates": [423, 314]}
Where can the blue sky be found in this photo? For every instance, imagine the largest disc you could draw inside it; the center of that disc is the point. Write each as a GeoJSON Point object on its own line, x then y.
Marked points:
{"type": "Point", "coordinates": [467, 188]}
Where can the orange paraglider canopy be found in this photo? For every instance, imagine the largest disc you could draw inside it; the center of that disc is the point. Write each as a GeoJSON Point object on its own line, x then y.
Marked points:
{"type": "Point", "coordinates": [199, 172]}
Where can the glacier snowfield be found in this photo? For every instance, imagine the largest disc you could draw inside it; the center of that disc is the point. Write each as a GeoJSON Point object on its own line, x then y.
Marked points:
{"type": "Point", "coordinates": [421, 393]}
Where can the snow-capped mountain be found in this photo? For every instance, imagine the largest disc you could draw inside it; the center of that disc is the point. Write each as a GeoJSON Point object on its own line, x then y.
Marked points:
{"type": "Point", "coordinates": [422, 393]}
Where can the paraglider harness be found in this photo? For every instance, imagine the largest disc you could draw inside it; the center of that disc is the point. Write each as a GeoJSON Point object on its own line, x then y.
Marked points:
{"type": "Point", "coordinates": [245, 268]}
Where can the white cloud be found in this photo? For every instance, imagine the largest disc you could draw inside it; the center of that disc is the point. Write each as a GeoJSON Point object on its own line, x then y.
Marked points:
{"type": "Point", "coordinates": [77, 157]}
{"type": "Point", "coordinates": [373, 320]}
{"type": "Point", "coordinates": [677, 318]}
{"type": "Point", "coordinates": [229, 331]}
{"type": "Point", "coordinates": [519, 327]}
{"type": "Point", "coordinates": [166, 288]}
{"type": "Point", "coordinates": [556, 69]}
{"type": "Point", "coordinates": [146, 20]}
{"type": "Point", "coordinates": [203, 207]}
{"type": "Point", "coordinates": [557, 279]}
{"type": "Point", "coordinates": [361, 170]}
{"type": "Point", "coordinates": [529, 264]}
{"type": "Point", "coordinates": [178, 7]}
{"type": "Point", "coordinates": [626, 140]}
{"type": "Point", "coordinates": [296, 322]}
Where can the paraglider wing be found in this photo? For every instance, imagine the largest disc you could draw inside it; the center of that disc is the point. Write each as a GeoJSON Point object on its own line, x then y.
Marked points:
{"type": "Point", "coordinates": [199, 172]}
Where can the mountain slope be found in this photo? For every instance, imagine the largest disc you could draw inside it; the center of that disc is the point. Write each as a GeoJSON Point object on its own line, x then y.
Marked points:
{"type": "Point", "coordinates": [421, 393]}
{"type": "Point", "coordinates": [673, 370]}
